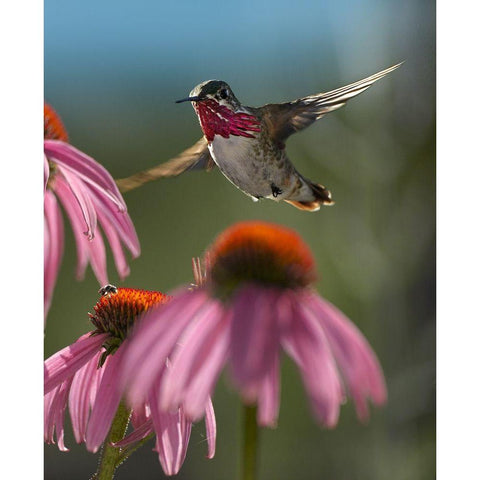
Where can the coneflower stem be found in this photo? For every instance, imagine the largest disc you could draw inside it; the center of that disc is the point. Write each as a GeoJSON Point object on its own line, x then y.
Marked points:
{"type": "Point", "coordinates": [111, 455]}
{"type": "Point", "coordinates": [126, 452]}
{"type": "Point", "coordinates": [250, 443]}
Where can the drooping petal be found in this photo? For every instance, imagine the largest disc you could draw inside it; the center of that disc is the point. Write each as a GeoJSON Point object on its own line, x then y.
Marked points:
{"type": "Point", "coordinates": [139, 433]}
{"type": "Point", "coordinates": [305, 342]}
{"type": "Point", "coordinates": [154, 339]}
{"type": "Point", "coordinates": [210, 428]}
{"type": "Point", "coordinates": [80, 394]}
{"type": "Point", "coordinates": [77, 223]}
{"type": "Point", "coordinates": [66, 362]}
{"type": "Point", "coordinates": [269, 394]}
{"type": "Point", "coordinates": [53, 247]}
{"type": "Point", "coordinates": [46, 172]}
{"type": "Point", "coordinates": [140, 415]}
{"type": "Point", "coordinates": [197, 361]}
{"type": "Point", "coordinates": [93, 249]}
{"type": "Point", "coordinates": [354, 356]}
{"type": "Point", "coordinates": [84, 201]}
{"type": "Point", "coordinates": [107, 401]}
{"type": "Point", "coordinates": [173, 434]}
{"type": "Point", "coordinates": [121, 221]}
{"type": "Point", "coordinates": [114, 241]}
{"type": "Point", "coordinates": [254, 337]}
{"type": "Point", "coordinates": [98, 258]}
{"type": "Point", "coordinates": [55, 404]}
{"type": "Point", "coordinates": [84, 167]}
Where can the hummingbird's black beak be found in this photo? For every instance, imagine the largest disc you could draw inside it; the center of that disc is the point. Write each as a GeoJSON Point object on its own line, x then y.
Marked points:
{"type": "Point", "coordinates": [189, 99]}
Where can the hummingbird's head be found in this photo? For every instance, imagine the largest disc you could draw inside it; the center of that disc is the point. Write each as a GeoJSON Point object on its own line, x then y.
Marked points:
{"type": "Point", "coordinates": [213, 90]}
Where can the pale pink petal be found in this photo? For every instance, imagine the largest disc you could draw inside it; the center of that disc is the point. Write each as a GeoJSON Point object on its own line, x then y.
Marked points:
{"type": "Point", "coordinates": [55, 404]}
{"type": "Point", "coordinates": [210, 428]}
{"type": "Point", "coordinates": [83, 198]}
{"type": "Point", "coordinates": [114, 241]}
{"type": "Point", "coordinates": [108, 398]}
{"type": "Point", "coordinates": [140, 415]}
{"type": "Point", "coordinates": [84, 167]}
{"type": "Point", "coordinates": [53, 248]}
{"type": "Point", "coordinates": [153, 340]}
{"type": "Point", "coordinates": [46, 172]}
{"type": "Point", "coordinates": [87, 249]}
{"type": "Point", "coordinates": [120, 221]}
{"type": "Point", "coordinates": [173, 434]}
{"type": "Point", "coordinates": [356, 359]}
{"type": "Point", "coordinates": [193, 345]}
{"type": "Point", "coordinates": [48, 415]}
{"type": "Point", "coordinates": [98, 258]}
{"type": "Point", "coordinates": [254, 337]}
{"type": "Point", "coordinates": [269, 394]}
{"type": "Point", "coordinates": [197, 362]}
{"type": "Point", "coordinates": [79, 399]}
{"type": "Point", "coordinates": [66, 362]}
{"type": "Point", "coordinates": [77, 223]}
{"type": "Point", "coordinates": [139, 433]}
{"type": "Point", "coordinates": [306, 343]}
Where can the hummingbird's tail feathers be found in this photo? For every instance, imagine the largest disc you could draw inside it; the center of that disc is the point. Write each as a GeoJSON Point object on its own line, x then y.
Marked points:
{"type": "Point", "coordinates": [307, 206]}
{"type": "Point", "coordinates": [322, 196]}
{"type": "Point", "coordinates": [197, 157]}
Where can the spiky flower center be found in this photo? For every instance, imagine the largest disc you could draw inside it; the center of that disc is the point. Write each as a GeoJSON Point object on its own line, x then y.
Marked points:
{"type": "Point", "coordinates": [117, 311]}
{"type": "Point", "coordinates": [53, 128]}
{"type": "Point", "coordinates": [261, 253]}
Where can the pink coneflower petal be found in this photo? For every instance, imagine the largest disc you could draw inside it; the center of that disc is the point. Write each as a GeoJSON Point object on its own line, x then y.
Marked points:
{"type": "Point", "coordinates": [80, 398]}
{"type": "Point", "coordinates": [98, 258]}
{"type": "Point", "coordinates": [67, 361]}
{"type": "Point", "coordinates": [140, 416]}
{"type": "Point", "coordinates": [192, 349]}
{"type": "Point", "coordinates": [155, 339]}
{"type": "Point", "coordinates": [120, 221]}
{"type": "Point", "coordinates": [269, 395]}
{"type": "Point", "coordinates": [306, 343]}
{"type": "Point", "coordinates": [254, 333]}
{"type": "Point", "coordinates": [54, 414]}
{"type": "Point", "coordinates": [84, 167]}
{"type": "Point", "coordinates": [113, 239]}
{"type": "Point", "coordinates": [197, 362]}
{"type": "Point", "coordinates": [173, 434]}
{"type": "Point", "coordinates": [356, 359]}
{"type": "Point", "coordinates": [104, 411]}
{"type": "Point", "coordinates": [53, 246]}
{"type": "Point", "coordinates": [210, 428]}
{"type": "Point", "coordinates": [140, 432]}
{"type": "Point", "coordinates": [84, 201]}
{"type": "Point", "coordinates": [46, 172]}
{"type": "Point", "coordinates": [94, 249]}
{"type": "Point", "coordinates": [77, 223]}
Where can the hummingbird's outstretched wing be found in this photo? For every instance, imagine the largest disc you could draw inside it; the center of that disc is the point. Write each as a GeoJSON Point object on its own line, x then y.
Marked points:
{"type": "Point", "coordinates": [283, 119]}
{"type": "Point", "coordinates": [197, 157]}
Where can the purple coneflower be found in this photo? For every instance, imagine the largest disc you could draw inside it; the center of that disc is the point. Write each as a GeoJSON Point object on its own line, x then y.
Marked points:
{"type": "Point", "coordinates": [85, 376]}
{"type": "Point", "coordinates": [89, 196]}
{"type": "Point", "coordinates": [257, 301]}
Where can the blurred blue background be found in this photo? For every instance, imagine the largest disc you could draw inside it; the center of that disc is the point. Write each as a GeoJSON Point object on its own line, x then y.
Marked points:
{"type": "Point", "coordinates": [113, 71]}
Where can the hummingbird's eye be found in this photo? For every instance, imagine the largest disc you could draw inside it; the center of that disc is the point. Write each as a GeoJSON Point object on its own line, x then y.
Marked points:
{"type": "Point", "coordinates": [223, 93]}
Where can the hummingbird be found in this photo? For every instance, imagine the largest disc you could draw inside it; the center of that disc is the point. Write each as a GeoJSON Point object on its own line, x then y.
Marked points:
{"type": "Point", "coordinates": [247, 144]}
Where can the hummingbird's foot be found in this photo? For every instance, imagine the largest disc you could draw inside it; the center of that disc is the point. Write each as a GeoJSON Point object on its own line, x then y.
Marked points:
{"type": "Point", "coordinates": [275, 190]}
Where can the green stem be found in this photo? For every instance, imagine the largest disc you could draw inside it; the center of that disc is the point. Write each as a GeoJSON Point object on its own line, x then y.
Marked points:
{"type": "Point", "coordinates": [110, 455]}
{"type": "Point", "coordinates": [250, 443]}
{"type": "Point", "coordinates": [129, 450]}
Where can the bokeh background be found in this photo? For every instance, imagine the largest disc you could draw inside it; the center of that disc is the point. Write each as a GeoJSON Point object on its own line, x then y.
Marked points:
{"type": "Point", "coordinates": [113, 71]}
